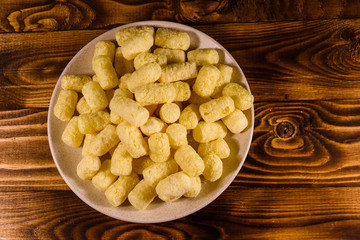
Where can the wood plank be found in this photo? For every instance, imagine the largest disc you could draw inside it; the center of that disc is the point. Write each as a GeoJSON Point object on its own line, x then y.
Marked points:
{"type": "Point", "coordinates": [263, 11]}
{"type": "Point", "coordinates": [294, 144]}
{"type": "Point", "coordinates": [319, 213]}
{"type": "Point", "coordinates": [31, 65]}
{"type": "Point", "coordinates": [41, 15]}
{"type": "Point", "coordinates": [301, 60]}
{"type": "Point", "coordinates": [39, 58]}
{"type": "Point", "coordinates": [25, 158]}
{"type": "Point", "coordinates": [305, 143]}
{"type": "Point", "coordinates": [17, 97]}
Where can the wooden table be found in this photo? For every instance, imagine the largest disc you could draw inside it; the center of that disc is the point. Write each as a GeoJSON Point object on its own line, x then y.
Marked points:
{"type": "Point", "coordinates": [301, 179]}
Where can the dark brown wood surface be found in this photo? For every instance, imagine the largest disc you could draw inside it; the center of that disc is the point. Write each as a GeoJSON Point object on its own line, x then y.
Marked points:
{"type": "Point", "coordinates": [301, 179]}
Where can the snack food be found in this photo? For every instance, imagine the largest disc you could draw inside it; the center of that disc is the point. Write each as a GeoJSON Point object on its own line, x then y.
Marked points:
{"type": "Point", "coordinates": [74, 81]}
{"type": "Point", "coordinates": [190, 116]}
{"type": "Point", "coordinates": [105, 48]}
{"type": "Point", "coordinates": [147, 136]}
{"type": "Point", "coordinates": [158, 171]}
{"type": "Point", "coordinates": [72, 135]}
{"type": "Point", "coordinates": [147, 73]}
{"type": "Point", "coordinates": [217, 108]}
{"type": "Point", "coordinates": [104, 178]}
{"type": "Point", "coordinates": [118, 192]}
{"type": "Point", "coordinates": [213, 167]}
{"type": "Point", "coordinates": [189, 160]}
{"type": "Point", "coordinates": [142, 195]}
{"type": "Point", "coordinates": [146, 57]}
{"type": "Point", "coordinates": [88, 167]}
{"type": "Point", "coordinates": [170, 112]}
{"type": "Point", "coordinates": [207, 131]}
{"type": "Point", "coordinates": [104, 141]}
{"type": "Point", "coordinates": [129, 110]}
{"type": "Point", "coordinates": [159, 147]}
{"type": "Point", "coordinates": [133, 139]}
{"type": "Point", "coordinates": [105, 72]}
{"type": "Point", "coordinates": [177, 135]}
{"type": "Point", "coordinates": [173, 39]}
{"type": "Point", "coordinates": [65, 106]}
{"type": "Point", "coordinates": [178, 71]}
{"type": "Point", "coordinates": [121, 161]}
{"type": "Point", "coordinates": [93, 122]}
{"type": "Point", "coordinates": [203, 56]}
{"type": "Point", "coordinates": [95, 96]}
{"type": "Point", "coordinates": [206, 80]}
{"type": "Point", "coordinates": [218, 147]}
{"type": "Point", "coordinates": [172, 55]}
{"type": "Point", "coordinates": [173, 186]}
{"type": "Point", "coordinates": [141, 42]}
{"type": "Point", "coordinates": [157, 93]}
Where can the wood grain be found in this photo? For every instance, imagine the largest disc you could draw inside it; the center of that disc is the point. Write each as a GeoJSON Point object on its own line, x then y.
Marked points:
{"type": "Point", "coordinates": [225, 11]}
{"type": "Point", "coordinates": [323, 149]}
{"type": "Point", "coordinates": [259, 212]}
{"type": "Point", "coordinates": [39, 15]}
{"type": "Point", "coordinates": [301, 60]}
{"type": "Point", "coordinates": [315, 60]}
{"type": "Point", "coordinates": [25, 158]}
{"type": "Point", "coordinates": [54, 15]}
{"type": "Point", "coordinates": [301, 179]}
{"type": "Point", "coordinates": [31, 65]}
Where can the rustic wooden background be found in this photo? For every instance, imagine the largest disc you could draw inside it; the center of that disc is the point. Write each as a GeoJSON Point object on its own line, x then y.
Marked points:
{"type": "Point", "coordinates": [301, 179]}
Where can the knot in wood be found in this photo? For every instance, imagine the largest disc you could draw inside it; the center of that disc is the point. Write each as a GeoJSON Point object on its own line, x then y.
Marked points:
{"type": "Point", "coordinates": [285, 129]}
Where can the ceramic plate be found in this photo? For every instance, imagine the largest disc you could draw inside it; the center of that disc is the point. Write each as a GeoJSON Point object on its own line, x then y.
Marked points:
{"type": "Point", "coordinates": [66, 158]}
